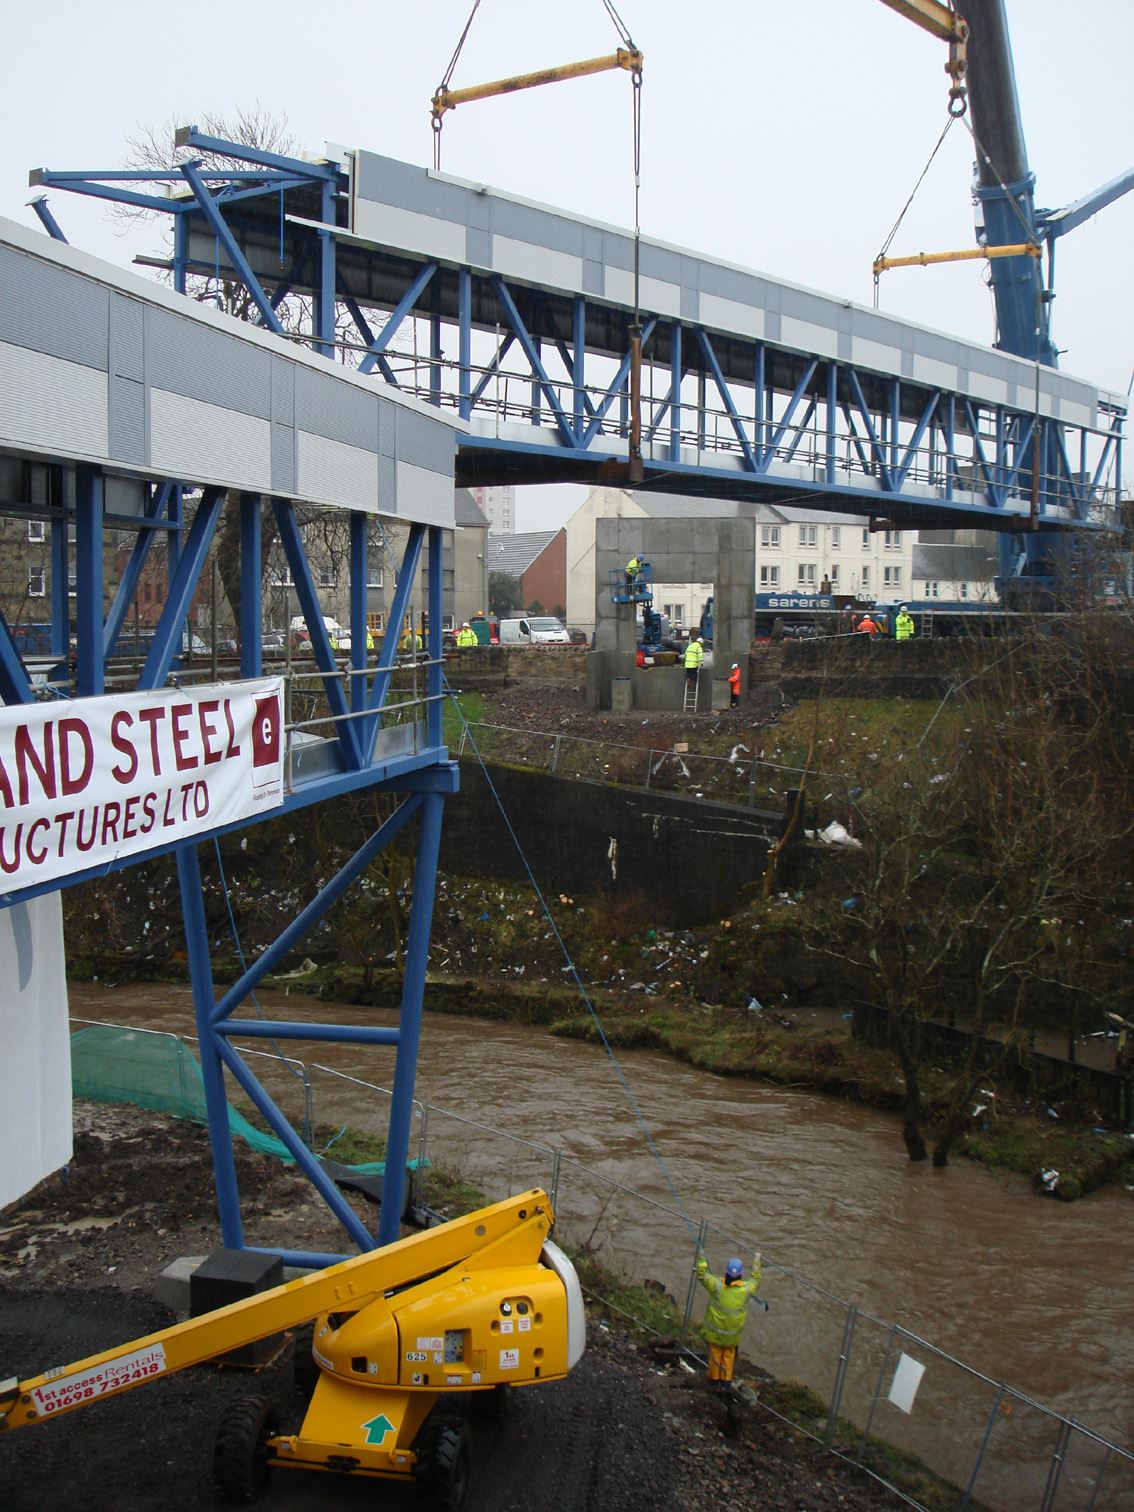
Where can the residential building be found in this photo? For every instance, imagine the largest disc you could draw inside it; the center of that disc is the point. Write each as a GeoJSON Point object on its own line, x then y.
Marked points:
{"type": "Point", "coordinates": [537, 559]}
{"type": "Point", "coordinates": [499, 507]}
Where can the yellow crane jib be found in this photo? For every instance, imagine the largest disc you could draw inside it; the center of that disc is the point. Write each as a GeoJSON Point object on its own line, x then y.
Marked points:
{"type": "Point", "coordinates": [925, 259]}
{"type": "Point", "coordinates": [942, 21]}
{"type": "Point", "coordinates": [485, 1302]}
{"type": "Point", "coordinates": [445, 99]}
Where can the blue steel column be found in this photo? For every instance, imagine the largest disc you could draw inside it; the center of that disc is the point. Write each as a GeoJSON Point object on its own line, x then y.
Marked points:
{"type": "Point", "coordinates": [675, 392]}
{"type": "Point", "coordinates": [324, 310]}
{"type": "Point", "coordinates": [758, 432]}
{"type": "Point", "coordinates": [464, 322]}
{"type": "Point", "coordinates": [832, 417]}
{"type": "Point", "coordinates": [950, 433]}
{"type": "Point", "coordinates": [895, 415]}
{"type": "Point", "coordinates": [413, 991]}
{"type": "Point", "coordinates": [88, 580]}
{"type": "Point", "coordinates": [60, 575]}
{"type": "Point", "coordinates": [578, 368]}
{"type": "Point", "coordinates": [251, 619]}
{"type": "Point", "coordinates": [180, 251]}
{"type": "Point", "coordinates": [434, 649]}
{"type": "Point", "coordinates": [358, 626]}
{"type": "Point", "coordinates": [212, 1072]}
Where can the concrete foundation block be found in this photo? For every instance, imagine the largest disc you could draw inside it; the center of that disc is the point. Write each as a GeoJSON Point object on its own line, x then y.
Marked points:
{"type": "Point", "coordinates": [621, 694]}
{"type": "Point", "coordinates": [721, 693]}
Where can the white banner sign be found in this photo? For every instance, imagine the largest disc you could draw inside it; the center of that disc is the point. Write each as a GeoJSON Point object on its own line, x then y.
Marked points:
{"type": "Point", "coordinates": [86, 783]}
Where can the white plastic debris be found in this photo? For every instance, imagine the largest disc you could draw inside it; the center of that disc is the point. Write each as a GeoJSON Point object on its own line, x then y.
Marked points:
{"type": "Point", "coordinates": [838, 834]}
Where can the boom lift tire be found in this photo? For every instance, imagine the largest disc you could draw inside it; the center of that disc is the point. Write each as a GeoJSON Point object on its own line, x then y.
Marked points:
{"type": "Point", "coordinates": [304, 1371]}
{"type": "Point", "coordinates": [444, 1450]}
{"type": "Point", "coordinates": [240, 1458]}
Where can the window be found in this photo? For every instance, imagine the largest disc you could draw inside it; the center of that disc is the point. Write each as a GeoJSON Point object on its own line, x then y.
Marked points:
{"type": "Point", "coordinates": [36, 530]}
{"type": "Point", "coordinates": [769, 577]}
{"type": "Point", "coordinates": [36, 587]}
{"type": "Point", "coordinates": [894, 538]}
{"type": "Point", "coordinates": [836, 542]}
{"type": "Point", "coordinates": [373, 576]}
{"type": "Point", "coordinates": [866, 538]}
{"type": "Point", "coordinates": [892, 577]}
{"type": "Point", "coordinates": [770, 536]}
{"type": "Point", "coordinates": [807, 574]}
{"type": "Point", "coordinates": [678, 614]}
{"type": "Point", "coordinates": [833, 575]}
{"type": "Point", "coordinates": [865, 579]}
{"type": "Point", "coordinates": [964, 590]}
{"type": "Point", "coordinates": [447, 622]}
{"type": "Point", "coordinates": [326, 577]}
{"type": "Point", "coordinates": [808, 535]}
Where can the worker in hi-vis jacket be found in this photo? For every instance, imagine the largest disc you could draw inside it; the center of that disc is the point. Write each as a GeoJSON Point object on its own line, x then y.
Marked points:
{"type": "Point", "coordinates": [723, 1324]}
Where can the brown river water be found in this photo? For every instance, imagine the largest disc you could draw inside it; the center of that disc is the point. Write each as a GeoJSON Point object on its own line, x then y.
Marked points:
{"type": "Point", "coordinates": [1022, 1289]}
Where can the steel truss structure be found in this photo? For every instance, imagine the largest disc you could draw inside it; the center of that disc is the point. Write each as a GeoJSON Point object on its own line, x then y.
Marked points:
{"type": "Point", "coordinates": [376, 734]}
{"type": "Point", "coordinates": [542, 374]}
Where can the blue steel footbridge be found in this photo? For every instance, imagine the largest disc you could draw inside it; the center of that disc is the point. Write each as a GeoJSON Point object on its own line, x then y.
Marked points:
{"type": "Point", "coordinates": [518, 317]}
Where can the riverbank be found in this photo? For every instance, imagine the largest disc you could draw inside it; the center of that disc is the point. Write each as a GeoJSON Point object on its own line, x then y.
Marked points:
{"type": "Point", "coordinates": [77, 1265]}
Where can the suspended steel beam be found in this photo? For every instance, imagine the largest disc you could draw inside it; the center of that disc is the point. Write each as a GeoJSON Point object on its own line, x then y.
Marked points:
{"type": "Point", "coordinates": [445, 99]}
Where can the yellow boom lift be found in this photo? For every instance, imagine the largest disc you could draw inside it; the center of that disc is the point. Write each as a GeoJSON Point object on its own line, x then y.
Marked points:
{"type": "Point", "coordinates": [481, 1304]}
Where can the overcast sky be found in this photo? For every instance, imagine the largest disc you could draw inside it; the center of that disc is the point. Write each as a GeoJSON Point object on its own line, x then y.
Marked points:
{"type": "Point", "coordinates": [784, 135]}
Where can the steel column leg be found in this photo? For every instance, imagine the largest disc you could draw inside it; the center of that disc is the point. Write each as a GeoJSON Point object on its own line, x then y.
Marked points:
{"type": "Point", "coordinates": [180, 251]}
{"type": "Point", "coordinates": [216, 1102]}
{"type": "Point", "coordinates": [413, 991]}
{"type": "Point", "coordinates": [324, 310]}
{"type": "Point", "coordinates": [251, 618]}
{"type": "Point", "coordinates": [60, 577]}
{"type": "Point", "coordinates": [675, 391]}
{"type": "Point", "coordinates": [358, 627]}
{"type": "Point", "coordinates": [434, 649]}
{"type": "Point", "coordinates": [758, 431]}
{"type": "Point", "coordinates": [832, 416]}
{"type": "Point", "coordinates": [578, 365]}
{"type": "Point", "coordinates": [950, 432]}
{"type": "Point", "coordinates": [88, 582]}
{"type": "Point", "coordinates": [464, 321]}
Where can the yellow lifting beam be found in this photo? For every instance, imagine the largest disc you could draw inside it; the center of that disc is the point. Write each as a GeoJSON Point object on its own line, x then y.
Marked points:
{"type": "Point", "coordinates": [448, 99]}
{"type": "Point", "coordinates": [924, 259]}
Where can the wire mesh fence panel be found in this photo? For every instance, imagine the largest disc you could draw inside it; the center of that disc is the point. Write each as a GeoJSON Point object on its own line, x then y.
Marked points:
{"type": "Point", "coordinates": [632, 1237]}
{"type": "Point", "coordinates": [1036, 1459]}
{"type": "Point", "coordinates": [1094, 1476]}
{"type": "Point", "coordinates": [467, 1160]}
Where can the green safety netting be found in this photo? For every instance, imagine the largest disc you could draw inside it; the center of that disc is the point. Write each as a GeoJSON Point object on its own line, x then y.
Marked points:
{"type": "Point", "coordinates": [160, 1072]}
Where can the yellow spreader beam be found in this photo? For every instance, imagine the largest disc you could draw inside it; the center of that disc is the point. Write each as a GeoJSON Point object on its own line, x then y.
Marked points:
{"type": "Point", "coordinates": [448, 99]}
{"type": "Point", "coordinates": [924, 259]}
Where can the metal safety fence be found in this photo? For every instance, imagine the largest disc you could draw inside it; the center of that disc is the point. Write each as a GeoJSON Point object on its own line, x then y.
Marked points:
{"type": "Point", "coordinates": [944, 1435]}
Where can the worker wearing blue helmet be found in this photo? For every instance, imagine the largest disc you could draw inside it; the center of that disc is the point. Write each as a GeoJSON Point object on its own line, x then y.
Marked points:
{"type": "Point", "coordinates": [723, 1323]}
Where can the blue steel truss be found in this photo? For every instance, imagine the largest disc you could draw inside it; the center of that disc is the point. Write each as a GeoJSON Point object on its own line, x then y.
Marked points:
{"type": "Point", "coordinates": [543, 377]}
{"type": "Point", "coordinates": [407, 759]}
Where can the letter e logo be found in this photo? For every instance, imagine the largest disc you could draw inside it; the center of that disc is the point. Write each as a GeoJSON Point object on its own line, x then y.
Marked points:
{"type": "Point", "coordinates": [266, 732]}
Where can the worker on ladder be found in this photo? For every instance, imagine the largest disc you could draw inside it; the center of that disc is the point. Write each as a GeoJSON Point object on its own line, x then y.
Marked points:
{"type": "Point", "coordinates": [694, 660]}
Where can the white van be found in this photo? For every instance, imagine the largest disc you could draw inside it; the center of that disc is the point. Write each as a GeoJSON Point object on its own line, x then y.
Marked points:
{"type": "Point", "coordinates": [538, 630]}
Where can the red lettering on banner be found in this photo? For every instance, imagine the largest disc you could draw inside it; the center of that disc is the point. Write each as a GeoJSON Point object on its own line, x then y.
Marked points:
{"type": "Point", "coordinates": [176, 715]}
{"type": "Point", "coordinates": [67, 783]}
{"type": "Point", "coordinates": [62, 820]}
{"type": "Point", "coordinates": [148, 809]}
{"type": "Point", "coordinates": [120, 743]}
{"type": "Point", "coordinates": [185, 791]}
{"type": "Point", "coordinates": [209, 706]}
{"type": "Point", "coordinates": [151, 717]}
{"type": "Point", "coordinates": [110, 813]}
{"type": "Point", "coordinates": [6, 788]}
{"type": "Point", "coordinates": [79, 829]}
{"type": "Point", "coordinates": [233, 748]}
{"type": "Point", "coordinates": [129, 824]}
{"type": "Point", "coordinates": [39, 859]}
{"type": "Point", "coordinates": [15, 849]}
{"type": "Point", "coordinates": [166, 821]}
{"type": "Point", "coordinates": [44, 770]}
{"type": "Point", "coordinates": [201, 788]}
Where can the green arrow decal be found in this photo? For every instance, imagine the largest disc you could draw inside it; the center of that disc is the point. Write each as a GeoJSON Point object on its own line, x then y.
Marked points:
{"type": "Point", "coordinates": [377, 1429]}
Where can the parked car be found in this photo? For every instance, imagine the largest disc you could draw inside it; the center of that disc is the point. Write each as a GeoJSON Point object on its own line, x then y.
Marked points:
{"type": "Point", "coordinates": [536, 630]}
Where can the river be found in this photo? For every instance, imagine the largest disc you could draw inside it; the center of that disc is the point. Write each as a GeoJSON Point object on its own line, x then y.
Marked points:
{"type": "Point", "coordinates": [1022, 1289]}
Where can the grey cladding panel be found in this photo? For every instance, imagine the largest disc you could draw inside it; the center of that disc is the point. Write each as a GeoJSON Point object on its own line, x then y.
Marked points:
{"type": "Point", "coordinates": [283, 458]}
{"type": "Point", "coordinates": [387, 428]}
{"type": "Point", "coordinates": [329, 407]}
{"type": "Point", "coordinates": [425, 444]}
{"type": "Point", "coordinates": [392, 183]}
{"type": "Point", "coordinates": [387, 485]}
{"type": "Point", "coordinates": [478, 247]}
{"type": "Point", "coordinates": [127, 421]}
{"type": "Point", "coordinates": [537, 226]}
{"type": "Point", "coordinates": [190, 359]}
{"type": "Point", "coordinates": [283, 391]}
{"type": "Point", "coordinates": [53, 310]}
{"type": "Point", "coordinates": [126, 322]}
